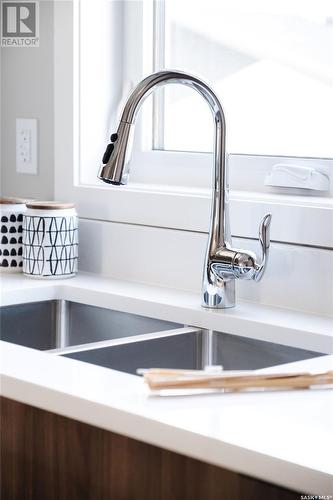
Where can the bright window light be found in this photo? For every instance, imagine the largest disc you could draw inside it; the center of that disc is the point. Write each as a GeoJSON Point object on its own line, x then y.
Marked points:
{"type": "Point", "coordinates": [270, 62]}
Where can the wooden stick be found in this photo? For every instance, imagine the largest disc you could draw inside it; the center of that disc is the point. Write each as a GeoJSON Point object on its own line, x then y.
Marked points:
{"type": "Point", "coordinates": [189, 373]}
{"type": "Point", "coordinates": [172, 373]}
{"type": "Point", "coordinates": [157, 381]}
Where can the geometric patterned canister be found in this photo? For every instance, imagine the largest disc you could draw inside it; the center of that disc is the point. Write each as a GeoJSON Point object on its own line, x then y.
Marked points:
{"type": "Point", "coordinates": [50, 240]}
{"type": "Point", "coordinates": [11, 244]}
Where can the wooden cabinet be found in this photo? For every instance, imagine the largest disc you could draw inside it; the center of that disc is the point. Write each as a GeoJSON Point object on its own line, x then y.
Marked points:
{"type": "Point", "coordinates": [45, 456]}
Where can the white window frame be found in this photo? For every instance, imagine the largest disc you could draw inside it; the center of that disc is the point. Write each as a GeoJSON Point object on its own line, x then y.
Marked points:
{"type": "Point", "coordinates": [168, 202]}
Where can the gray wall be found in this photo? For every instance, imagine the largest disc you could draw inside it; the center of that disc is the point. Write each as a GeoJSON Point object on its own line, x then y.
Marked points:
{"type": "Point", "coordinates": [27, 91]}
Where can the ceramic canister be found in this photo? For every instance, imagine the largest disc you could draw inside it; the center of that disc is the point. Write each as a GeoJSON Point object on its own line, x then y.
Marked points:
{"type": "Point", "coordinates": [50, 240]}
{"type": "Point", "coordinates": [11, 216]}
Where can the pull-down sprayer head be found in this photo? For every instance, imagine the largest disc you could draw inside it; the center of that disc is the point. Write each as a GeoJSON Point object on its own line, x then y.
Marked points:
{"type": "Point", "coordinates": [116, 157]}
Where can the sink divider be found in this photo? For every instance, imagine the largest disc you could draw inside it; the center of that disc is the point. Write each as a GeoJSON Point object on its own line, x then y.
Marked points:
{"type": "Point", "coordinates": [61, 350]}
{"type": "Point", "coordinates": [61, 322]}
{"type": "Point", "coordinates": [206, 348]}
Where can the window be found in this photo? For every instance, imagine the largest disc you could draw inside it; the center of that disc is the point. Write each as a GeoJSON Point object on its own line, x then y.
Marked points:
{"type": "Point", "coordinates": [114, 45]}
{"type": "Point", "coordinates": [270, 62]}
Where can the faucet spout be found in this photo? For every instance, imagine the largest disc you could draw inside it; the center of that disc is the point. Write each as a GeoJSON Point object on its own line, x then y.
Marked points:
{"type": "Point", "coordinates": [219, 278]}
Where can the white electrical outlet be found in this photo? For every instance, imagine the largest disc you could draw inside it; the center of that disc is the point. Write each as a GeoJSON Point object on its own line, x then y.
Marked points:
{"type": "Point", "coordinates": [26, 146]}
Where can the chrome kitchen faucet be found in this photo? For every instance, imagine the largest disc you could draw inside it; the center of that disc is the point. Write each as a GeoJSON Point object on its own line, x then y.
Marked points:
{"type": "Point", "coordinates": [223, 264]}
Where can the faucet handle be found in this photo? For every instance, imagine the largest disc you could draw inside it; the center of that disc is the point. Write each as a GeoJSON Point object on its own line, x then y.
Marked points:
{"type": "Point", "coordinates": [264, 239]}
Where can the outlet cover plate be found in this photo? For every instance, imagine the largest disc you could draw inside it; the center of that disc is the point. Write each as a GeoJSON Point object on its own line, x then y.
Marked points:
{"type": "Point", "coordinates": [26, 146]}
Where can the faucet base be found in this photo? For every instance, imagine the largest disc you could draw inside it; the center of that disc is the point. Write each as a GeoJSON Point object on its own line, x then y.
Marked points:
{"type": "Point", "coordinates": [221, 296]}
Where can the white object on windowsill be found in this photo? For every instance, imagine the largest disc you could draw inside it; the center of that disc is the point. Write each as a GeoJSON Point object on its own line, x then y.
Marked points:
{"type": "Point", "coordinates": [295, 176]}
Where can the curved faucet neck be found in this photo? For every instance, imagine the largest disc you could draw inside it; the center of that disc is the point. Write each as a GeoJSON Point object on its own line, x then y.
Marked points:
{"type": "Point", "coordinates": [161, 78]}
{"type": "Point", "coordinates": [219, 220]}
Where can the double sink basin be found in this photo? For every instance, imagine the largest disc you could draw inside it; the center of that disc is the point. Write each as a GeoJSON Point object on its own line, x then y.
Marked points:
{"type": "Point", "coordinates": [126, 342]}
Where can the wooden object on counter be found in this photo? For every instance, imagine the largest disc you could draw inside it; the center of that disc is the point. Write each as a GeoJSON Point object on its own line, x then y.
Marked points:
{"type": "Point", "coordinates": [46, 456]}
{"type": "Point", "coordinates": [50, 205]}
{"type": "Point", "coordinates": [159, 379]}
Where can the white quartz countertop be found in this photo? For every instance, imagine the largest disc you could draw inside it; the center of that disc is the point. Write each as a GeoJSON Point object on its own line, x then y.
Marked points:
{"type": "Point", "coordinates": [280, 437]}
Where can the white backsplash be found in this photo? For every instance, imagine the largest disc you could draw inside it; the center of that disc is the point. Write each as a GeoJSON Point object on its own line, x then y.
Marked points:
{"type": "Point", "coordinates": [297, 277]}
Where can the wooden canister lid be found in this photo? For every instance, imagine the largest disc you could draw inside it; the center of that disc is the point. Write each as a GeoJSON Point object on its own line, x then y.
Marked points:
{"type": "Point", "coordinates": [13, 201]}
{"type": "Point", "coordinates": [49, 205]}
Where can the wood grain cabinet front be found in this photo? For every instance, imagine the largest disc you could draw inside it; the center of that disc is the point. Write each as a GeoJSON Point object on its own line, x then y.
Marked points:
{"type": "Point", "coordinates": [45, 456]}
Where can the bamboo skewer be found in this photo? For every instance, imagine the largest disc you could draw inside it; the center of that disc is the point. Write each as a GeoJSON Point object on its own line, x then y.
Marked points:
{"type": "Point", "coordinates": [178, 379]}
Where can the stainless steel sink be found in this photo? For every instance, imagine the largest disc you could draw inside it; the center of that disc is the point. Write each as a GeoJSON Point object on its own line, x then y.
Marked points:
{"type": "Point", "coordinates": [126, 342]}
{"type": "Point", "coordinates": [188, 348]}
{"type": "Point", "coordinates": [58, 324]}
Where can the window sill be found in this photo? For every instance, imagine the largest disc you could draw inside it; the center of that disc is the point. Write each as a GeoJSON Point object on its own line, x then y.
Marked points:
{"type": "Point", "coordinates": [296, 220]}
